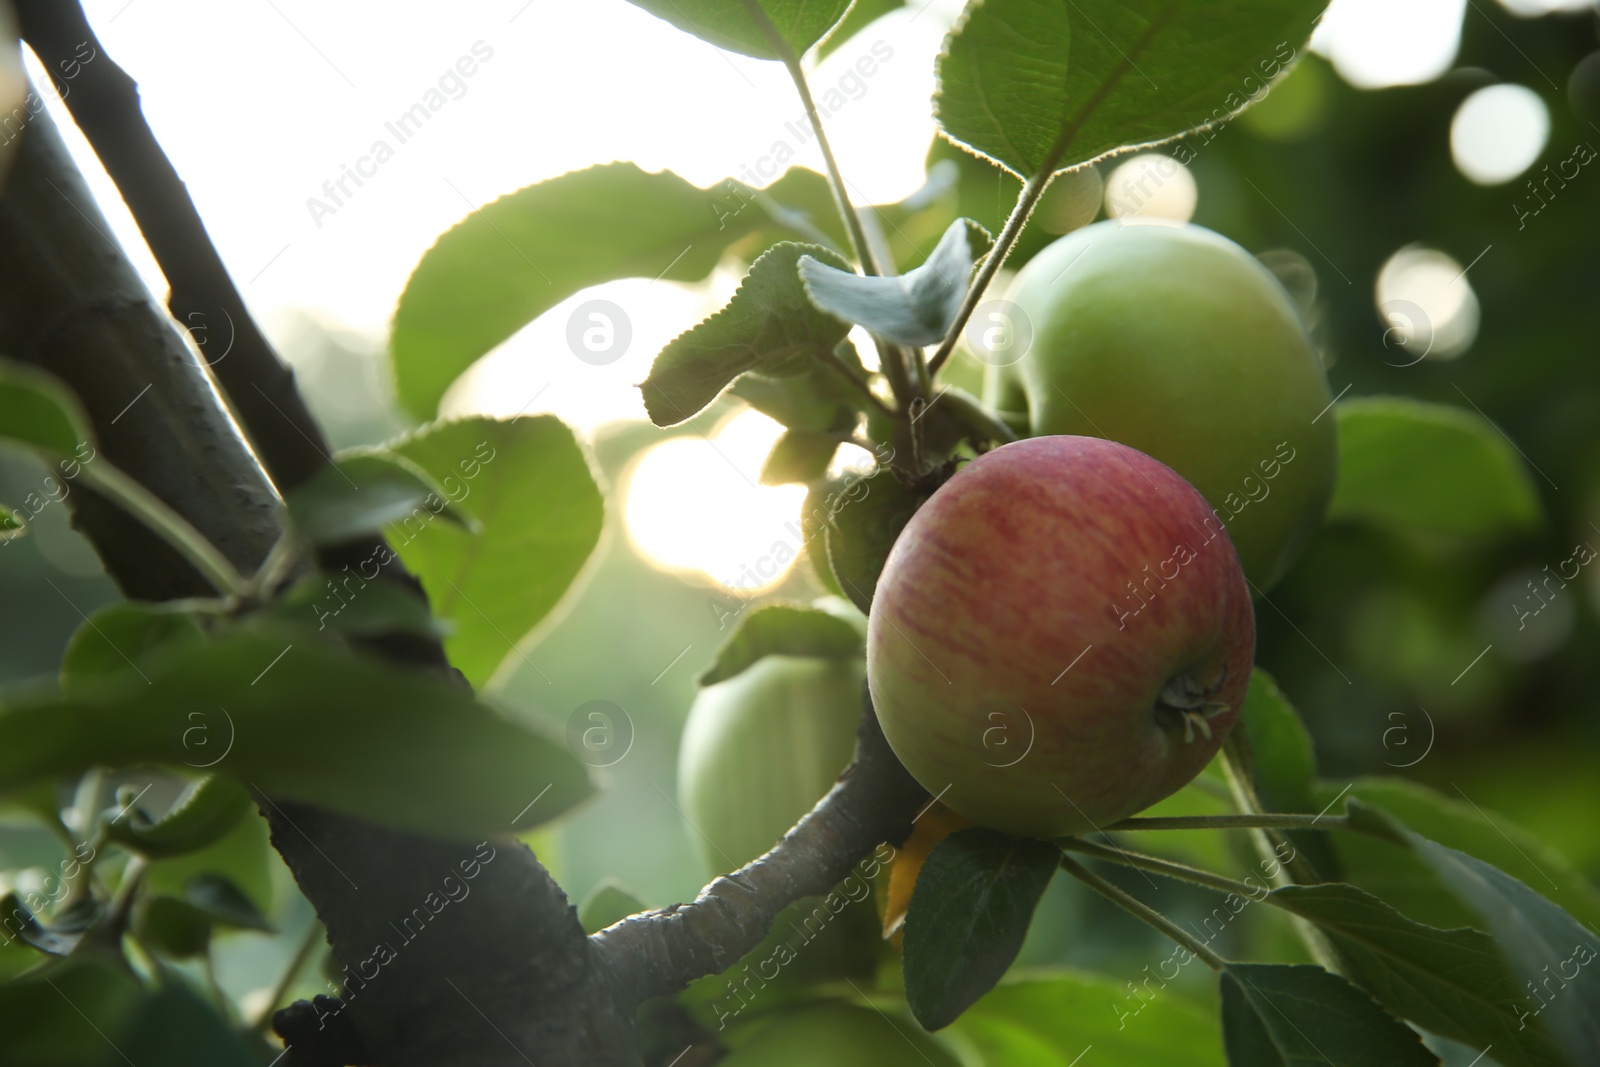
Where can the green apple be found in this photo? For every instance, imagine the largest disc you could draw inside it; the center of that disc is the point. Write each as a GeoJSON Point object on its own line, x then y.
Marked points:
{"type": "Point", "coordinates": [833, 1034]}
{"type": "Point", "coordinates": [1177, 342]}
{"type": "Point", "coordinates": [760, 749]}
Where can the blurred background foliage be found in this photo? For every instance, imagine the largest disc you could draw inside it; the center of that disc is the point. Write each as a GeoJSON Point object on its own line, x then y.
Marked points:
{"type": "Point", "coordinates": [1409, 655]}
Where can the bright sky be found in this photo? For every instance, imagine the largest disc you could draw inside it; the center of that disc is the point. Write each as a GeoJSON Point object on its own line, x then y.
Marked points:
{"type": "Point", "coordinates": [261, 102]}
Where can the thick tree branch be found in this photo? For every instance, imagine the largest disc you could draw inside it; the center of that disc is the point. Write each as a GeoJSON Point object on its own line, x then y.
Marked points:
{"type": "Point", "coordinates": [104, 102]}
{"type": "Point", "coordinates": [660, 952]}
{"type": "Point", "coordinates": [518, 958]}
{"type": "Point", "coordinates": [503, 976]}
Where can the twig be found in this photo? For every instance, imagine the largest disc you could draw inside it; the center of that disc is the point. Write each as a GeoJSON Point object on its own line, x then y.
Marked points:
{"type": "Point", "coordinates": [895, 364]}
{"type": "Point", "coordinates": [1237, 767]}
{"type": "Point", "coordinates": [1274, 820]}
{"type": "Point", "coordinates": [172, 528]}
{"type": "Point", "coordinates": [104, 102]}
{"type": "Point", "coordinates": [1169, 868]}
{"type": "Point", "coordinates": [1143, 911]}
{"type": "Point", "coordinates": [297, 963]}
{"type": "Point", "coordinates": [857, 381]}
{"type": "Point", "coordinates": [660, 952]}
{"type": "Point", "coordinates": [1032, 190]}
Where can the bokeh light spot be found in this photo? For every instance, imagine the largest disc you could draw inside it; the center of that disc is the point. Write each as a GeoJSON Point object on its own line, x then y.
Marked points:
{"type": "Point", "coordinates": [1426, 305]}
{"type": "Point", "coordinates": [1498, 132]}
{"type": "Point", "coordinates": [1151, 187]}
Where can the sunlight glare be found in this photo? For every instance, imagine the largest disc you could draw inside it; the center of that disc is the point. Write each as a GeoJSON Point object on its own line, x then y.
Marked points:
{"type": "Point", "coordinates": [694, 504]}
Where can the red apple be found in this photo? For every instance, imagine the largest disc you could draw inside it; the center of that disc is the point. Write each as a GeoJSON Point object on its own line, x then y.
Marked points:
{"type": "Point", "coordinates": [1058, 639]}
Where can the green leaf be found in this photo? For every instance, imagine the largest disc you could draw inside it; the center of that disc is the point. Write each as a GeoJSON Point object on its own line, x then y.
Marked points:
{"type": "Point", "coordinates": [799, 456]}
{"type": "Point", "coordinates": [915, 308]}
{"type": "Point", "coordinates": [969, 913]}
{"type": "Point", "coordinates": [1286, 763]}
{"type": "Point", "coordinates": [207, 810]}
{"type": "Point", "coordinates": [175, 1028]}
{"type": "Point", "coordinates": [1539, 938]}
{"type": "Point", "coordinates": [729, 24]}
{"type": "Point", "coordinates": [819, 400]}
{"type": "Point", "coordinates": [529, 484]}
{"type": "Point", "coordinates": [1405, 882]}
{"type": "Point", "coordinates": [90, 1012]}
{"type": "Point", "coordinates": [833, 1033]}
{"type": "Point", "coordinates": [172, 927]}
{"type": "Point", "coordinates": [1281, 1015]}
{"type": "Point", "coordinates": [244, 856]}
{"type": "Point", "coordinates": [38, 412]}
{"type": "Point", "coordinates": [862, 14]}
{"type": "Point", "coordinates": [1049, 84]}
{"type": "Point", "coordinates": [862, 531]}
{"type": "Point", "coordinates": [114, 641]}
{"type": "Point", "coordinates": [783, 630]}
{"type": "Point", "coordinates": [22, 926]}
{"type": "Point", "coordinates": [348, 604]}
{"type": "Point", "coordinates": [1453, 982]}
{"type": "Point", "coordinates": [43, 1013]}
{"type": "Point", "coordinates": [360, 492]}
{"type": "Point", "coordinates": [1051, 1018]}
{"type": "Point", "coordinates": [1415, 467]}
{"type": "Point", "coordinates": [769, 325]}
{"type": "Point", "coordinates": [224, 904]}
{"type": "Point", "coordinates": [303, 721]}
{"type": "Point", "coordinates": [608, 902]}
{"type": "Point", "coordinates": [11, 526]}
{"type": "Point", "coordinates": [514, 259]}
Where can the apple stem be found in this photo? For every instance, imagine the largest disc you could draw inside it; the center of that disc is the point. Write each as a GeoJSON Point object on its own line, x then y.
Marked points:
{"type": "Point", "coordinates": [857, 382]}
{"type": "Point", "coordinates": [1263, 821]}
{"type": "Point", "coordinates": [1241, 782]}
{"type": "Point", "coordinates": [1237, 768]}
{"type": "Point", "coordinates": [1156, 865]}
{"type": "Point", "coordinates": [903, 371]}
{"type": "Point", "coordinates": [1142, 911]}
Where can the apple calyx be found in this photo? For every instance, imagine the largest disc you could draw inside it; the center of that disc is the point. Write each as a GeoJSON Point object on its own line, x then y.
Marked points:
{"type": "Point", "coordinates": [1187, 700]}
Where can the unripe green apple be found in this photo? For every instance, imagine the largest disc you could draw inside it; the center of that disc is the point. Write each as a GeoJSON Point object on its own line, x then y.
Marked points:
{"type": "Point", "coordinates": [1176, 341]}
{"type": "Point", "coordinates": [760, 749]}
{"type": "Point", "coordinates": [1057, 640]}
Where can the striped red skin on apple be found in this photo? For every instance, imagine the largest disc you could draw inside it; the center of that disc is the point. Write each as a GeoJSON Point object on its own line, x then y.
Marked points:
{"type": "Point", "coordinates": [1061, 597]}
